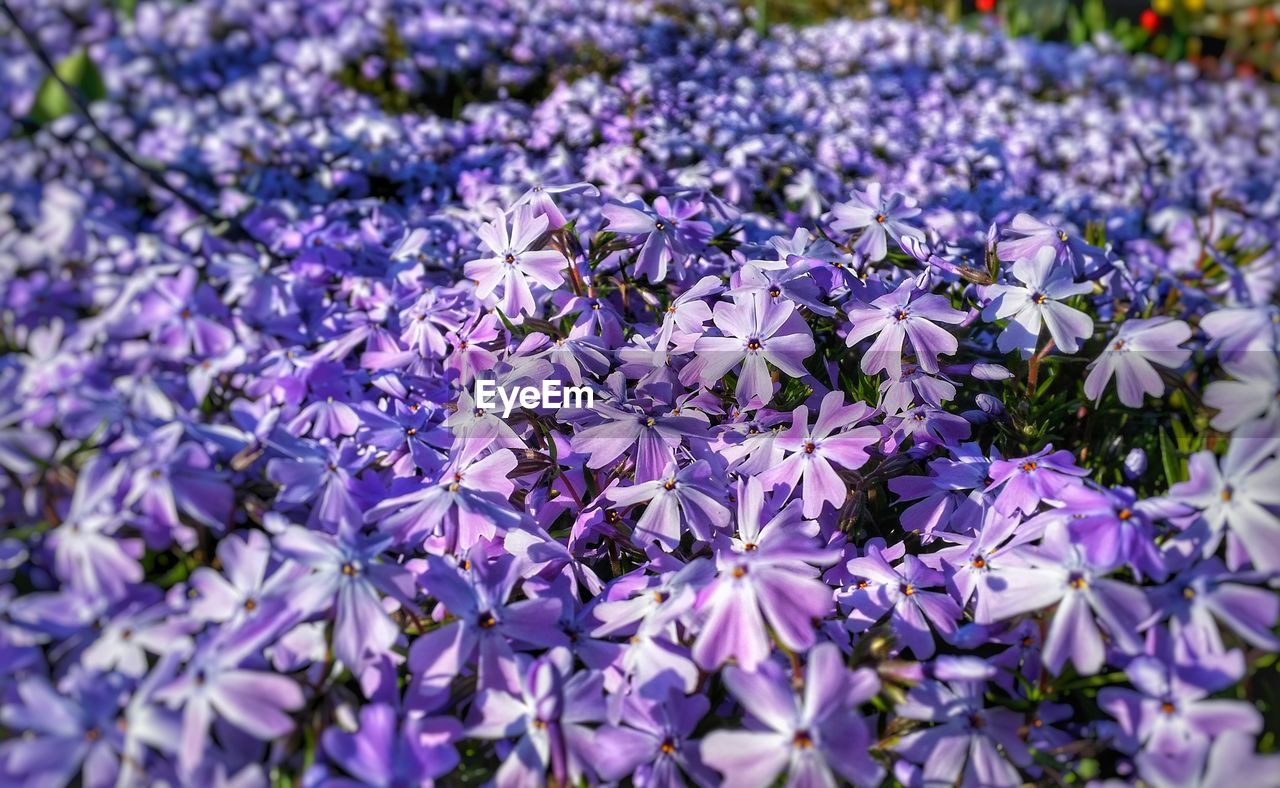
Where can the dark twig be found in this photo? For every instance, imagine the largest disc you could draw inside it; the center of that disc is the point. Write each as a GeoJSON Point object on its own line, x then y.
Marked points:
{"type": "Point", "coordinates": [232, 229]}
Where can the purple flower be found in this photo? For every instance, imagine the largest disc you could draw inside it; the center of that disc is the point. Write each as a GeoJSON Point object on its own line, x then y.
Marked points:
{"type": "Point", "coordinates": [756, 329]}
{"type": "Point", "coordinates": [1085, 598]}
{"type": "Point", "coordinates": [653, 742]}
{"type": "Point", "coordinates": [1239, 495]}
{"type": "Point", "coordinates": [548, 713]}
{"type": "Point", "coordinates": [487, 625]}
{"type": "Point", "coordinates": [669, 234]}
{"type": "Point", "coordinates": [678, 501]}
{"type": "Point", "coordinates": [1132, 355]}
{"type": "Point", "coordinates": [812, 452]}
{"type": "Point", "coordinates": [213, 685]}
{"type": "Point", "coordinates": [467, 502]}
{"type": "Point", "coordinates": [902, 594]}
{"type": "Point", "coordinates": [386, 753]}
{"type": "Point", "coordinates": [86, 555]}
{"type": "Point", "coordinates": [1036, 302]}
{"type": "Point", "coordinates": [64, 734]}
{"type": "Point", "coordinates": [653, 431]}
{"type": "Point", "coordinates": [909, 314]}
{"type": "Point", "coordinates": [764, 576]}
{"type": "Point", "coordinates": [878, 218]}
{"type": "Point", "coordinates": [1169, 716]}
{"type": "Point", "coordinates": [1026, 481]}
{"type": "Point", "coordinates": [815, 738]}
{"type": "Point", "coordinates": [1111, 527]}
{"type": "Point", "coordinates": [1196, 599]}
{"type": "Point", "coordinates": [969, 744]}
{"type": "Point", "coordinates": [346, 577]}
{"type": "Point", "coordinates": [515, 262]}
{"type": "Point", "coordinates": [243, 588]}
{"type": "Point", "coordinates": [1030, 236]}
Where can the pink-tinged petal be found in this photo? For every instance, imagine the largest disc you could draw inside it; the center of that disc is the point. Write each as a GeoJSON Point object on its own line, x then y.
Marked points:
{"type": "Point", "coordinates": [627, 221]}
{"type": "Point", "coordinates": [788, 352]}
{"type": "Point", "coordinates": [618, 751]}
{"type": "Point", "coordinates": [885, 352]}
{"type": "Point", "coordinates": [1067, 326]}
{"type": "Point", "coordinates": [660, 523]}
{"type": "Point", "coordinates": [544, 267]}
{"type": "Point", "coordinates": [1017, 590]}
{"type": "Point", "coordinates": [765, 695]}
{"type": "Point", "coordinates": [255, 702]}
{"type": "Point", "coordinates": [865, 322]}
{"type": "Point", "coordinates": [1099, 375]}
{"type": "Point", "coordinates": [196, 718]}
{"type": "Point", "coordinates": [1215, 717]}
{"type": "Point", "coordinates": [821, 484]}
{"type": "Point", "coordinates": [733, 628]}
{"type": "Point", "coordinates": [791, 603]}
{"type": "Point", "coordinates": [849, 449]}
{"type": "Point", "coordinates": [1073, 634]}
{"type": "Point", "coordinates": [929, 341]}
{"type": "Point", "coordinates": [497, 715]}
{"type": "Point", "coordinates": [937, 309]}
{"type": "Point", "coordinates": [487, 272]}
{"type": "Point", "coordinates": [438, 656]}
{"type": "Point", "coordinates": [755, 386]}
{"type": "Point", "coordinates": [1136, 377]}
{"type": "Point", "coordinates": [527, 228]}
{"type": "Point", "coordinates": [494, 235]}
{"type": "Point", "coordinates": [745, 758]}
{"type": "Point", "coordinates": [363, 630]}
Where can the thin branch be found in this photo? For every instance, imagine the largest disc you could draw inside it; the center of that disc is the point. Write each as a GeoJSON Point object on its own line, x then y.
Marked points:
{"type": "Point", "coordinates": [234, 230]}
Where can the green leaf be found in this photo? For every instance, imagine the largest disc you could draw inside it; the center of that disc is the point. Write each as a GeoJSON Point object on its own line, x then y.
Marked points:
{"type": "Point", "coordinates": [78, 71]}
{"type": "Point", "coordinates": [1169, 459]}
{"type": "Point", "coordinates": [128, 8]}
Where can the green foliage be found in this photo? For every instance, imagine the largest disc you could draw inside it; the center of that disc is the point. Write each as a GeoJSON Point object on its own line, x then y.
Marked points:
{"type": "Point", "coordinates": [82, 75]}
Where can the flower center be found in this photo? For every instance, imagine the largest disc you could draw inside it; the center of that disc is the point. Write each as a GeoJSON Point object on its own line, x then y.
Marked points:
{"type": "Point", "coordinates": [753, 344]}
{"type": "Point", "coordinates": [900, 315]}
{"type": "Point", "coordinates": [668, 747]}
{"type": "Point", "coordinates": [349, 569]}
{"type": "Point", "coordinates": [802, 740]}
{"type": "Point", "coordinates": [1124, 514]}
{"type": "Point", "coordinates": [1029, 466]}
{"type": "Point", "coordinates": [809, 447]}
{"type": "Point", "coordinates": [739, 571]}
{"type": "Point", "coordinates": [979, 562]}
{"type": "Point", "coordinates": [486, 620]}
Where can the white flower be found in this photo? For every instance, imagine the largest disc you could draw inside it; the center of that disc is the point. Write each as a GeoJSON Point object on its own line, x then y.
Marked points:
{"type": "Point", "coordinates": [1044, 284]}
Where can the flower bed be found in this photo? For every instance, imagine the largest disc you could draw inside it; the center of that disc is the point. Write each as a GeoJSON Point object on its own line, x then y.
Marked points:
{"type": "Point", "coordinates": [931, 438]}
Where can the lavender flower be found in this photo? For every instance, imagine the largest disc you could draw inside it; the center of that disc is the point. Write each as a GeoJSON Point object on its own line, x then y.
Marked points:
{"type": "Point", "coordinates": [905, 314]}
{"type": "Point", "coordinates": [1036, 302]}
{"type": "Point", "coordinates": [1132, 355]}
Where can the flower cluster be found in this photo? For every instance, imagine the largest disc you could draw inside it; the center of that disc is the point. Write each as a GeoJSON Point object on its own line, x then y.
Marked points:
{"type": "Point", "coordinates": [936, 403]}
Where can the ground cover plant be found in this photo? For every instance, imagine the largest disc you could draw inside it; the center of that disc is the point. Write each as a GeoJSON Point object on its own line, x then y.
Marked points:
{"type": "Point", "coordinates": [933, 420]}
